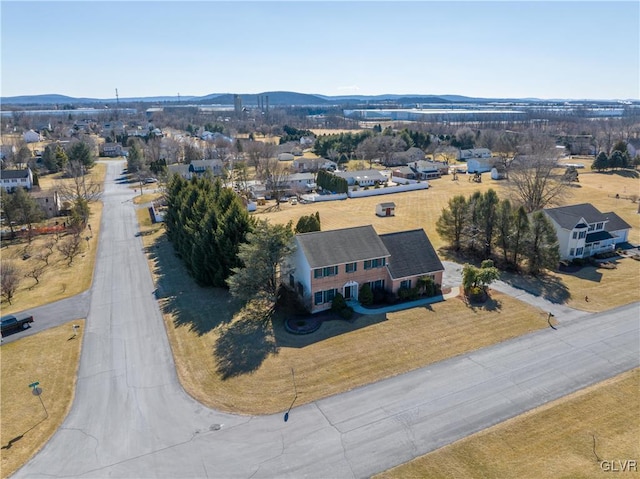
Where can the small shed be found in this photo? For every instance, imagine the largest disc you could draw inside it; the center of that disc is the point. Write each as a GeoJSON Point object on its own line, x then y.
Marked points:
{"type": "Point", "coordinates": [386, 209]}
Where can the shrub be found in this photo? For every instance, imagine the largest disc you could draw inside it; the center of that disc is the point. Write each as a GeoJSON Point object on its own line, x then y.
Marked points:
{"type": "Point", "coordinates": [338, 303]}
{"type": "Point", "coordinates": [366, 295]}
{"type": "Point", "coordinates": [346, 313]}
{"type": "Point", "coordinates": [379, 295]}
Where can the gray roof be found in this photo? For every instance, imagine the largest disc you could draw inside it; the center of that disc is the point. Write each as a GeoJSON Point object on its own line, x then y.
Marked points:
{"type": "Point", "coordinates": [334, 247]}
{"type": "Point", "coordinates": [569, 216]}
{"type": "Point", "coordinates": [597, 236]}
{"type": "Point", "coordinates": [412, 254]}
{"type": "Point", "coordinates": [371, 174]}
{"type": "Point", "coordinates": [615, 222]}
{"type": "Point", "coordinates": [14, 174]}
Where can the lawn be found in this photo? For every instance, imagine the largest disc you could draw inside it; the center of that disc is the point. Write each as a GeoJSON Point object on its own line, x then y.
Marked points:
{"type": "Point", "coordinates": [59, 280]}
{"type": "Point", "coordinates": [564, 438]}
{"type": "Point", "coordinates": [234, 360]}
{"type": "Point", "coordinates": [51, 358]}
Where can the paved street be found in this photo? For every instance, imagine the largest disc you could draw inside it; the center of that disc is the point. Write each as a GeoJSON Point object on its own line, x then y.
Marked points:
{"type": "Point", "coordinates": [131, 418]}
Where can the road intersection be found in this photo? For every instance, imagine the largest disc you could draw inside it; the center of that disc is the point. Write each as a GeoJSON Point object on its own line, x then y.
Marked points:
{"type": "Point", "coordinates": [131, 417]}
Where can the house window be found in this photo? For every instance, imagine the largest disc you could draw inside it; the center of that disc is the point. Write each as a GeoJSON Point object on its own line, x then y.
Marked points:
{"type": "Point", "coordinates": [582, 234]}
{"type": "Point", "coordinates": [374, 263]}
{"type": "Point", "coordinates": [571, 251]}
{"type": "Point", "coordinates": [575, 234]}
{"type": "Point", "coordinates": [379, 284]}
{"type": "Point", "coordinates": [326, 296]}
{"type": "Point", "coordinates": [351, 267]}
{"type": "Point", "coordinates": [579, 251]}
{"type": "Point", "coordinates": [330, 271]}
{"type": "Point", "coordinates": [406, 284]}
{"type": "Point", "coordinates": [592, 227]}
{"type": "Point", "coordinates": [317, 273]}
{"type": "Point", "coordinates": [329, 295]}
{"type": "Point", "coordinates": [599, 226]}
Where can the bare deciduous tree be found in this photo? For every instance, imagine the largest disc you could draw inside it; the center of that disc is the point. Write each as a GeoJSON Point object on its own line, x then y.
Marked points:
{"type": "Point", "coordinates": [534, 179]}
{"type": "Point", "coordinates": [70, 247]}
{"type": "Point", "coordinates": [78, 184]}
{"type": "Point", "coordinates": [35, 271]}
{"type": "Point", "coordinates": [10, 280]}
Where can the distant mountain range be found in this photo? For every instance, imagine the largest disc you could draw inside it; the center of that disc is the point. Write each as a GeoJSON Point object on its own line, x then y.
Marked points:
{"type": "Point", "coordinates": [273, 98]}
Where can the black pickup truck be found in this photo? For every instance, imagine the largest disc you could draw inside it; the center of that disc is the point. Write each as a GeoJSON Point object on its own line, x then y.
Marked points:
{"type": "Point", "coordinates": [11, 323]}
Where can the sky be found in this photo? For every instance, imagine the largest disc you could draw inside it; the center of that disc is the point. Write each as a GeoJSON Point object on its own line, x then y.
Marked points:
{"type": "Point", "coordinates": [502, 49]}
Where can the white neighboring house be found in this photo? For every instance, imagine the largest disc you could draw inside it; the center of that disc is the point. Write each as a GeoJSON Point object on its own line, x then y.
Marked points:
{"type": "Point", "coordinates": [303, 165]}
{"type": "Point", "coordinates": [480, 165]}
{"type": "Point", "coordinates": [474, 153]}
{"type": "Point", "coordinates": [301, 182]}
{"type": "Point", "coordinates": [12, 179]}
{"type": "Point", "coordinates": [584, 231]}
{"type": "Point", "coordinates": [362, 177]}
{"type": "Point", "coordinates": [31, 136]}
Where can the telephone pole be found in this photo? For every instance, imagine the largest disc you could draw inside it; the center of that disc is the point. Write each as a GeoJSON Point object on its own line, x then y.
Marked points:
{"type": "Point", "coordinates": [117, 104]}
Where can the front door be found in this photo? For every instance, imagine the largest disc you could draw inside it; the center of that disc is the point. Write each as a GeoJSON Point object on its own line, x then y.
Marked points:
{"type": "Point", "coordinates": [347, 292]}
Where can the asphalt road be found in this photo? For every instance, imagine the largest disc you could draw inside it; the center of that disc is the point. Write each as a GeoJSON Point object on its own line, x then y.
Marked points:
{"type": "Point", "coordinates": [131, 418]}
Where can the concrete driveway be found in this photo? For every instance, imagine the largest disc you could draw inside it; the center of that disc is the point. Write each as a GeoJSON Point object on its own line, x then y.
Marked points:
{"type": "Point", "coordinates": [131, 418]}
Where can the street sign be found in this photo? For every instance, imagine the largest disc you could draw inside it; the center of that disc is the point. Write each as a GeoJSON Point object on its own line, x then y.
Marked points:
{"type": "Point", "coordinates": [33, 385]}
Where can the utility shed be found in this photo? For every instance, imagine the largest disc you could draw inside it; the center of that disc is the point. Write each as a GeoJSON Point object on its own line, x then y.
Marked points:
{"type": "Point", "coordinates": [386, 209]}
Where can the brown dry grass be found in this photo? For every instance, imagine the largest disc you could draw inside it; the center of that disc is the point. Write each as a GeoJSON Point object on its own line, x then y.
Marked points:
{"type": "Point", "coordinates": [554, 440]}
{"type": "Point", "coordinates": [414, 209]}
{"type": "Point", "coordinates": [59, 280]}
{"type": "Point", "coordinates": [53, 361]}
{"type": "Point", "coordinates": [606, 288]}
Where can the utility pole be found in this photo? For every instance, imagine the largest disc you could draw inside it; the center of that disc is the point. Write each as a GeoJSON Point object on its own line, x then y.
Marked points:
{"type": "Point", "coordinates": [117, 104]}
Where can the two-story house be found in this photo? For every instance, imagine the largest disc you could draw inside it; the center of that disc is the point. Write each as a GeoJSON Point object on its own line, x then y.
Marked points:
{"type": "Point", "coordinates": [198, 167]}
{"type": "Point", "coordinates": [326, 263]}
{"type": "Point", "coordinates": [112, 149]}
{"type": "Point", "coordinates": [12, 179]}
{"type": "Point", "coordinates": [584, 231]}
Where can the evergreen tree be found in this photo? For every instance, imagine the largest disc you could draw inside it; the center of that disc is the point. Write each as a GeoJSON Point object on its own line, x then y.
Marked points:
{"type": "Point", "coordinates": [541, 244]}
{"type": "Point", "coordinates": [487, 219]}
{"type": "Point", "coordinates": [472, 233]}
{"type": "Point", "coordinates": [259, 276]}
{"type": "Point", "coordinates": [451, 222]}
{"type": "Point", "coordinates": [308, 223]}
{"type": "Point", "coordinates": [504, 227]}
{"type": "Point", "coordinates": [601, 162]}
{"type": "Point", "coordinates": [134, 160]}
{"type": "Point", "coordinates": [81, 152]}
{"type": "Point", "coordinates": [520, 232]}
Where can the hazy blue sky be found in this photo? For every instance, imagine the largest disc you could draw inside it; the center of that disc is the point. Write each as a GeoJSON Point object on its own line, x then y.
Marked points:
{"type": "Point", "coordinates": [573, 49]}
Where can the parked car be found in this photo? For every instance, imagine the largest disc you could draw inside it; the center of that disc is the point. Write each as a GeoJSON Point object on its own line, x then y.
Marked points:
{"type": "Point", "coordinates": [11, 322]}
{"type": "Point", "coordinates": [150, 180]}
